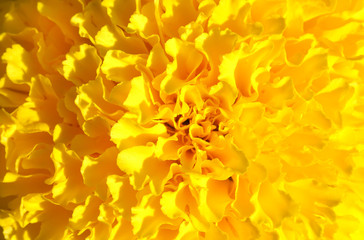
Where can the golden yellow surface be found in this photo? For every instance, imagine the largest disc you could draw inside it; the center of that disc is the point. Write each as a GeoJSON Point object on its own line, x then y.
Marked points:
{"type": "Point", "coordinates": [182, 119]}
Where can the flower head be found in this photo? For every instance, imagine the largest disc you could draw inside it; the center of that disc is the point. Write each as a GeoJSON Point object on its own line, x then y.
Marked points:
{"type": "Point", "coordinates": [181, 119]}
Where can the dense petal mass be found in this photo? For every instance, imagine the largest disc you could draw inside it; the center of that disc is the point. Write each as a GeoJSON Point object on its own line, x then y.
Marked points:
{"type": "Point", "coordinates": [181, 119]}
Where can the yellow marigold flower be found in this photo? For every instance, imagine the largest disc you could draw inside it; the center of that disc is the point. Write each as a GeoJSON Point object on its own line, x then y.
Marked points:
{"type": "Point", "coordinates": [181, 119]}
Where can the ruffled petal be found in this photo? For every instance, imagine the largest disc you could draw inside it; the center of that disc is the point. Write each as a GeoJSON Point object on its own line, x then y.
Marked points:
{"type": "Point", "coordinates": [81, 64]}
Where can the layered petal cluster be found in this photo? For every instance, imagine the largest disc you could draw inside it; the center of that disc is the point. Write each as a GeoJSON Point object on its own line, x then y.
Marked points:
{"type": "Point", "coordinates": [181, 119]}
